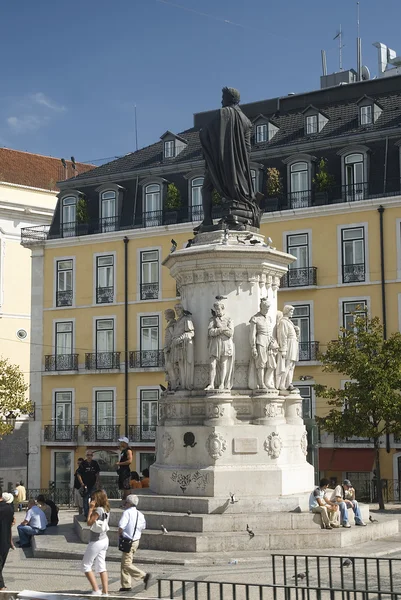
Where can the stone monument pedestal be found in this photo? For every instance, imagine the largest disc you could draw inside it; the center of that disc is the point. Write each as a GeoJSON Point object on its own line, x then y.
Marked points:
{"type": "Point", "coordinates": [247, 442]}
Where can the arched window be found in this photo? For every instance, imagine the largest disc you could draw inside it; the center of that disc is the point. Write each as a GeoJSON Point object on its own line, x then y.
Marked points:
{"type": "Point", "coordinates": [68, 216]}
{"type": "Point", "coordinates": [108, 210]}
{"type": "Point", "coordinates": [153, 205]}
{"type": "Point", "coordinates": [196, 199]}
{"type": "Point", "coordinates": [299, 182]}
{"type": "Point", "coordinates": [354, 176]}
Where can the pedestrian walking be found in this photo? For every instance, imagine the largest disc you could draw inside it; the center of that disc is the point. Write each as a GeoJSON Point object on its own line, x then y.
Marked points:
{"type": "Point", "coordinates": [123, 467]}
{"type": "Point", "coordinates": [130, 528]}
{"type": "Point", "coordinates": [20, 495]}
{"type": "Point", "coordinates": [78, 492]}
{"type": "Point", "coordinates": [95, 553]}
{"type": "Point", "coordinates": [88, 477]}
{"type": "Point", "coordinates": [7, 520]}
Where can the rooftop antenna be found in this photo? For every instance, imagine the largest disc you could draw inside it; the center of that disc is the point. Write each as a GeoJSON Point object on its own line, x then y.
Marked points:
{"type": "Point", "coordinates": [65, 167]}
{"type": "Point", "coordinates": [324, 63]}
{"type": "Point", "coordinates": [339, 36]}
{"type": "Point", "coordinates": [136, 129]}
{"type": "Point", "coordinates": [358, 46]}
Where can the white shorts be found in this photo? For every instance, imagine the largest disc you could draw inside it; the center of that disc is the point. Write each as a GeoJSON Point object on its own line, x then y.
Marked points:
{"type": "Point", "coordinates": [95, 553]}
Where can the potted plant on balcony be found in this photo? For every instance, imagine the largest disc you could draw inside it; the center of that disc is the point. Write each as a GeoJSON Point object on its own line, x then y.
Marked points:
{"type": "Point", "coordinates": [172, 204]}
{"type": "Point", "coordinates": [323, 182]}
{"type": "Point", "coordinates": [274, 188]}
{"type": "Point", "coordinates": [82, 214]}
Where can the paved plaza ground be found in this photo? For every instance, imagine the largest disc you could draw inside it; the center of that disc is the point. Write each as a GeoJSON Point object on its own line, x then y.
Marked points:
{"type": "Point", "coordinates": [23, 571]}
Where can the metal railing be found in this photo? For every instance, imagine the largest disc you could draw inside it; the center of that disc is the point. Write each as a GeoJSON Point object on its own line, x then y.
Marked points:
{"type": "Point", "coordinates": [64, 298]}
{"type": "Point", "coordinates": [308, 351]}
{"type": "Point", "coordinates": [95, 361]}
{"type": "Point", "coordinates": [60, 433]}
{"type": "Point", "coordinates": [300, 199]}
{"type": "Point", "coordinates": [353, 273]}
{"type": "Point", "coordinates": [35, 234]}
{"type": "Point", "coordinates": [61, 362]}
{"type": "Point", "coordinates": [108, 224]}
{"type": "Point", "coordinates": [101, 433]}
{"type": "Point", "coordinates": [137, 433]}
{"type": "Point", "coordinates": [152, 218]}
{"type": "Point", "coordinates": [352, 440]}
{"type": "Point", "coordinates": [150, 291]}
{"type": "Point", "coordinates": [59, 495]}
{"type": "Point", "coordinates": [104, 295]}
{"type": "Point", "coordinates": [304, 276]}
{"type": "Point", "coordinates": [146, 358]}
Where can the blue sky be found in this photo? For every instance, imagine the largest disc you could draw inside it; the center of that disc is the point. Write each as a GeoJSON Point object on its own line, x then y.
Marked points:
{"type": "Point", "coordinates": [71, 72]}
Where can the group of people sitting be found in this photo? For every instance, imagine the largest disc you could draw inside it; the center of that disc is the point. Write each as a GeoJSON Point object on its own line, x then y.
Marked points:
{"type": "Point", "coordinates": [333, 505]}
{"type": "Point", "coordinates": [41, 513]}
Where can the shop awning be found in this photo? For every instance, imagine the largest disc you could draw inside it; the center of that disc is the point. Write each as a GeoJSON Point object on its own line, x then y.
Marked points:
{"type": "Point", "coordinates": [346, 459]}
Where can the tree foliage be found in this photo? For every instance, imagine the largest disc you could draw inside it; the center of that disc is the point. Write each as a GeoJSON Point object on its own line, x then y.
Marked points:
{"type": "Point", "coordinates": [369, 406]}
{"type": "Point", "coordinates": [173, 197]}
{"type": "Point", "coordinates": [13, 399]}
{"type": "Point", "coordinates": [323, 180]}
{"type": "Point", "coordinates": [274, 184]}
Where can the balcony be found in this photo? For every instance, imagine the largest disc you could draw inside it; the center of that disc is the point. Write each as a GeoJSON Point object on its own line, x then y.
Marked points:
{"type": "Point", "coordinates": [300, 199]}
{"type": "Point", "coordinates": [308, 351]}
{"type": "Point", "coordinates": [61, 362]}
{"type": "Point", "coordinates": [104, 295]}
{"type": "Point", "coordinates": [196, 213]}
{"type": "Point", "coordinates": [96, 361]}
{"type": "Point", "coordinates": [60, 433]}
{"type": "Point", "coordinates": [354, 273]}
{"type": "Point", "coordinates": [146, 358]}
{"type": "Point", "coordinates": [106, 224]}
{"type": "Point", "coordinates": [64, 298]}
{"type": "Point", "coordinates": [354, 439]}
{"type": "Point", "coordinates": [152, 218]}
{"type": "Point", "coordinates": [101, 433]}
{"type": "Point", "coordinates": [150, 291]}
{"type": "Point", "coordinates": [304, 277]}
{"type": "Point", "coordinates": [138, 433]}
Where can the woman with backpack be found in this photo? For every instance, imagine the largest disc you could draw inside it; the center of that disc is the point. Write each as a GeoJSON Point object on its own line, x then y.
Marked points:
{"type": "Point", "coordinates": [95, 553]}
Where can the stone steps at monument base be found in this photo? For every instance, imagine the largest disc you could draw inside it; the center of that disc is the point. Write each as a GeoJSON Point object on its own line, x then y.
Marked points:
{"type": "Point", "coordinates": [231, 522]}
{"type": "Point", "coordinates": [218, 541]}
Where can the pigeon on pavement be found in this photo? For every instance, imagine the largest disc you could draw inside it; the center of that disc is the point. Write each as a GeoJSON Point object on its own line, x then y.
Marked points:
{"type": "Point", "coordinates": [347, 562]}
{"type": "Point", "coordinates": [300, 575]}
{"type": "Point", "coordinates": [164, 530]}
{"type": "Point", "coordinates": [372, 520]}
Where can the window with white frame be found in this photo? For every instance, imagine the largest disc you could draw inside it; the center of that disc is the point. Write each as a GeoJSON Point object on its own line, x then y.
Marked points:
{"type": "Point", "coordinates": [63, 415]}
{"type": "Point", "coordinates": [196, 199]}
{"type": "Point", "coordinates": [104, 415]}
{"type": "Point", "coordinates": [302, 319]}
{"type": "Point", "coordinates": [68, 216]}
{"type": "Point", "coordinates": [149, 274]}
{"type": "Point", "coordinates": [105, 279]}
{"type": "Point", "coordinates": [149, 413]}
{"type": "Point", "coordinates": [64, 358]}
{"type": "Point", "coordinates": [298, 246]}
{"type": "Point", "coordinates": [307, 408]}
{"type": "Point", "coordinates": [149, 333]}
{"type": "Point", "coordinates": [353, 254]}
{"type": "Point", "coordinates": [108, 210]}
{"type": "Point", "coordinates": [169, 149]}
{"type": "Point", "coordinates": [312, 125]}
{"type": "Point", "coordinates": [299, 182]}
{"type": "Point", "coordinates": [352, 309]}
{"type": "Point", "coordinates": [64, 282]}
{"type": "Point", "coordinates": [261, 133]}
{"type": "Point", "coordinates": [104, 336]}
{"type": "Point", "coordinates": [354, 177]}
{"type": "Point", "coordinates": [366, 114]}
{"type": "Point", "coordinates": [153, 205]}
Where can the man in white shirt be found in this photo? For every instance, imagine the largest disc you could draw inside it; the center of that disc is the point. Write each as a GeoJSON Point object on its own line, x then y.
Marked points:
{"type": "Point", "coordinates": [131, 525]}
{"type": "Point", "coordinates": [35, 523]}
{"type": "Point", "coordinates": [344, 495]}
{"type": "Point", "coordinates": [318, 503]}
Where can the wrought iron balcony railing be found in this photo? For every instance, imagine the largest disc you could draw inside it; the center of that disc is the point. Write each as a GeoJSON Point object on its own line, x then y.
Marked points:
{"type": "Point", "coordinates": [352, 440]}
{"type": "Point", "coordinates": [61, 362]}
{"type": "Point", "coordinates": [146, 358]}
{"type": "Point", "coordinates": [60, 433]}
{"type": "Point", "coordinates": [101, 433]}
{"type": "Point", "coordinates": [353, 273]}
{"type": "Point", "coordinates": [300, 199]}
{"type": "Point", "coordinates": [108, 224]}
{"type": "Point", "coordinates": [104, 295]}
{"type": "Point", "coordinates": [140, 433]}
{"type": "Point", "coordinates": [299, 277]}
{"type": "Point", "coordinates": [308, 351]}
{"type": "Point", "coordinates": [152, 218]}
{"type": "Point", "coordinates": [34, 235]}
{"type": "Point", "coordinates": [196, 212]}
{"type": "Point", "coordinates": [64, 298]}
{"type": "Point", "coordinates": [95, 361]}
{"type": "Point", "coordinates": [150, 291]}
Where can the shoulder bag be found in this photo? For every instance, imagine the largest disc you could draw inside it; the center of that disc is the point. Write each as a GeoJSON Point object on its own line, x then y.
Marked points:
{"type": "Point", "coordinates": [124, 543]}
{"type": "Point", "coordinates": [101, 524]}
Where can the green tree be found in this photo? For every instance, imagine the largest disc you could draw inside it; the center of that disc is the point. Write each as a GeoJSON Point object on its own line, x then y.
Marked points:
{"type": "Point", "coordinates": [13, 400]}
{"type": "Point", "coordinates": [370, 404]}
{"type": "Point", "coordinates": [82, 210]}
{"type": "Point", "coordinates": [173, 197]}
{"type": "Point", "coordinates": [323, 180]}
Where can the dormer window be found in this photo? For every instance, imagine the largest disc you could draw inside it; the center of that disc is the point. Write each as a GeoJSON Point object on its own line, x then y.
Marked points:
{"type": "Point", "coordinates": [369, 111]}
{"type": "Point", "coordinates": [366, 115]}
{"type": "Point", "coordinates": [261, 133]}
{"type": "Point", "coordinates": [169, 149]}
{"type": "Point", "coordinates": [173, 144]}
{"type": "Point", "coordinates": [264, 130]}
{"type": "Point", "coordinates": [314, 120]}
{"type": "Point", "coordinates": [311, 125]}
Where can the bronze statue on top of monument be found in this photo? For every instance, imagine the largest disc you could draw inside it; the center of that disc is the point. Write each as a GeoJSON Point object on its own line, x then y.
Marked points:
{"type": "Point", "coordinates": [226, 145]}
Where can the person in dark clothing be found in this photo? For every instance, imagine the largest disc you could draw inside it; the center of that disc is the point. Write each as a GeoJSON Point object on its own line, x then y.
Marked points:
{"type": "Point", "coordinates": [53, 510]}
{"type": "Point", "coordinates": [78, 499]}
{"type": "Point", "coordinates": [124, 467]}
{"type": "Point", "coordinates": [7, 520]}
{"type": "Point", "coordinates": [88, 477]}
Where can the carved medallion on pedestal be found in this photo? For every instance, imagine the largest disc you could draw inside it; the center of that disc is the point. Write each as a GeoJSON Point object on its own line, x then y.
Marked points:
{"type": "Point", "coordinates": [273, 445]}
{"type": "Point", "coordinates": [216, 445]}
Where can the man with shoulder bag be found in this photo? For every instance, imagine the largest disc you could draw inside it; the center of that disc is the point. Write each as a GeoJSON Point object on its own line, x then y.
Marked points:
{"type": "Point", "coordinates": [130, 528]}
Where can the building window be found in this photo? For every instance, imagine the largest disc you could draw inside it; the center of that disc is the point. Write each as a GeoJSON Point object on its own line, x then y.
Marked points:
{"type": "Point", "coordinates": [354, 177]}
{"type": "Point", "coordinates": [261, 133]}
{"type": "Point", "coordinates": [351, 310]}
{"type": "Point", "coordinates": [149, 274]}
{"type": "Point", "coordinates": [366, 114]}
{"type": "Point", "coordinates": [104, 279]}
{"type": "Point", "coordinates": [62, 471]}
{"type": "Point", "coordinates": [311, 124]}
{"type": "Point", "coordinates": [306, 393]}
{"type": "Point", "coordinates": [149, 413]}
{"type": "Point", "coordinates": [299, 182]}
{"type": "Point", "coordinates": [64, 358]}
{"type": "Point", "coordinates": [104, 415]}
{"type": "Point", "coordinates": [64, 291]}
{"type": "Point", "coordinates": [68, 216]}
{"type": "Point", "coordinates": [153, 207]}
{"type": "Point", "coordinates": [169, 149]}
{"type": "Point", "coordinates": [108, 211]}
{"type": "Point", "coordinates": [146, 459]}
{"type": "Point", "coordinates": [298, 246]}
{"type": "Point", "coordinates": [301, 319]}
{"type": "Point", "coordinates": [196, 199]}
{"type": "Point", "coordinates": [149, 333]}
{"type": "Point", "coordinates": [353, 254]}
{"type": "Point", "coordinates": [63, 415]}
{"type": "Point", "coordinates": [104, 336]}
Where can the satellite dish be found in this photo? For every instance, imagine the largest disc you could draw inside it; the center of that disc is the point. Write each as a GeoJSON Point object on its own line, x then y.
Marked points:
{"type": "Point", "coordinates": [365, 73]}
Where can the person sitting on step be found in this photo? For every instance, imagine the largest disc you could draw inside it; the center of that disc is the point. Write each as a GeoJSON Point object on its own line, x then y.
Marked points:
{"type": "Point", "coordinates": [318, 503]}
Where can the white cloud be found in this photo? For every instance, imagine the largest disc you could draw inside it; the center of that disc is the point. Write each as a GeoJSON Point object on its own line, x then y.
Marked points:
{"type": "Point", "coordinates": [43, 100]}
{"type": "Point", "coordinates": [26, 123]}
